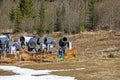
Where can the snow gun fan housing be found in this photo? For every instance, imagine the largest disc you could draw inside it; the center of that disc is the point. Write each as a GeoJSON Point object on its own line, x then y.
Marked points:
{"type": "Point", "coordinates": [3, 40]}
{"type": "Point", "coordinates": [40, 42]}
{"type": "Point", "coordinates": [63, 41]}
{"type": "Point", "coordinates": [12, 46]}
{"type": "Point", "coordinates": [50, 44]}
{"type": "Point", "coordinates": [30, 42]}
{"type": "Point", "coordinates": [51, 41]}
{"type": "Point", "coordinates": [46, 44]}
{"type": "Point", "coordinates": [22, 41]}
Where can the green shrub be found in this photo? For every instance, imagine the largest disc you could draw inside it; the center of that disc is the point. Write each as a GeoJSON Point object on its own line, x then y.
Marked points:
{"type": "Point", "coordinates": [111, 56]}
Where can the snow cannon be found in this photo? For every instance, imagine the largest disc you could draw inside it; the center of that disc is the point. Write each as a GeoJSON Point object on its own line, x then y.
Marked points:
{"type": "Point", "coordinates": [6, 34]}
{"type": "Point", "coordinates": [40, 41]}
{"type": "Point", "coordinates": [30, 42]}
{"type": "Point", "coordinates": [17, 45]}
{"type": "Point", "coordinates": [49, 40]}
{"type": "Point", "coordinates": [66, 51]}
{"type": "Point", "coordinates": [3, 40]}
{"type": "Point", "coordinates": [65, 45]}
{"type": "Point", "coordinates": [50, 44]}
{"type": "Point", "coordinates": [22, 41]}
{"type": "Point", "coordinates": [46, 44]}
{"type": "Point", "coordinates": [12, 47]}
{"type": "Point", "coordinates": [63, 42]}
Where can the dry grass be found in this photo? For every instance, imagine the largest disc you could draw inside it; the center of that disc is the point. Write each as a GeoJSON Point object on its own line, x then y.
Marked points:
{"type": "Point", "coordinates": [93, 51]}
{"type": "Point", "coordinates": [97, 44]}
{"type": "Point", "coordinates": [95, 69]}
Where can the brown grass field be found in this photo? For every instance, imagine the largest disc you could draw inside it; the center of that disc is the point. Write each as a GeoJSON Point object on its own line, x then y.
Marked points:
{"type": "Point", "coordinates": [94, 50]}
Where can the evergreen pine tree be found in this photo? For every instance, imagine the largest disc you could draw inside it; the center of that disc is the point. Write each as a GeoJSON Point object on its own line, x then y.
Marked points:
{"type": "Point", "coordinates": [60, 14]}
{"type": "Point", "coordinates": [16, 17]}
{"type": "Point", "coordinates": [58, 20]}
{"type": "Point", "coordinates": [12, 15]}
{"type": "Point", "coordinates": [41, 28]}
{"type": "Point", "coordinates": [27, 8]}
{"type": "Point", "coordinates": [93, 18]}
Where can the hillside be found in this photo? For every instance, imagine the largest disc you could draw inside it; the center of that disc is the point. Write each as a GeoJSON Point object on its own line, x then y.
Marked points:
{"type": "Point", "coordinates": [97, 44]}
{"type": "Point", "coordinates": [94, 49]}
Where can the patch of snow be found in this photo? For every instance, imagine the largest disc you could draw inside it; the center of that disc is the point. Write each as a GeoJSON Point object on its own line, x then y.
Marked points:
{"type": "Point", "coordinates": [26, 74]}
{"type": "Point", "coordinates": [24, 71]}
{"type": "Point", "coordinates": [29, 77]}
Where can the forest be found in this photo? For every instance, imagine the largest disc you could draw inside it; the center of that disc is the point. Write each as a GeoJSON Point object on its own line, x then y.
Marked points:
{"type": "Point", "coordinates": [66, 16]}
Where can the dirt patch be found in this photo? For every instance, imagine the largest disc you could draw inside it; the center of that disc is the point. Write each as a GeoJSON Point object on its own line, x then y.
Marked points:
{"type": "Point", "coordinates": [6, 73]}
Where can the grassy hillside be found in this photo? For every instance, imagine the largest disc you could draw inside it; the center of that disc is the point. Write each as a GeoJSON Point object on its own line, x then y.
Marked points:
{"type": "Point", "coordinates": [95, 50]}
{"type": "Point", "coordinates": [97, 44]}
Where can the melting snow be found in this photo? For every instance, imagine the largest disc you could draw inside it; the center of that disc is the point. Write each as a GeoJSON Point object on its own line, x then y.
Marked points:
{"type": "Point", "coordinates": [26, 74]}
